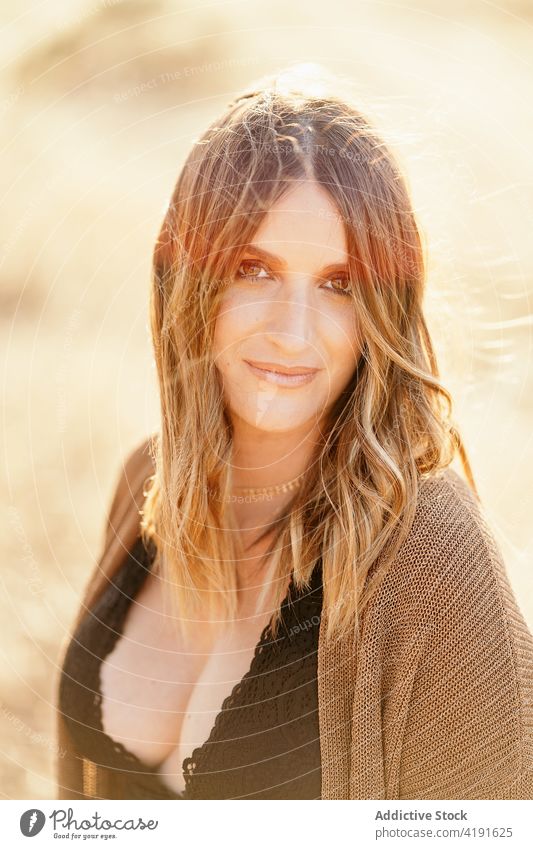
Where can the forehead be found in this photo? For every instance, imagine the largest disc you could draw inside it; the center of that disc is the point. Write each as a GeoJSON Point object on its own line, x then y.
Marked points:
{"type": "Point", "coordinates": [304, 229]}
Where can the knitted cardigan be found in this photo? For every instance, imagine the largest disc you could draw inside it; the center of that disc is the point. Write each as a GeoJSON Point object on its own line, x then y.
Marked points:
{"type": "Point", "coordinates": [431, 699]}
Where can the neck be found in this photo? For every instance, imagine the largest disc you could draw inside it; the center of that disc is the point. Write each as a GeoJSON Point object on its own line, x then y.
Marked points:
{"type": "Point", "coordinates": [266, 458]}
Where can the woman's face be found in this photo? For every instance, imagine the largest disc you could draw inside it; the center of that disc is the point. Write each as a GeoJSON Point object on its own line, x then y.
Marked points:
{"type": "Point", "coordinates": [289, 308]}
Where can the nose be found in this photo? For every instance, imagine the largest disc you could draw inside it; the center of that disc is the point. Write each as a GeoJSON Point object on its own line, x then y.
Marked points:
{"type": "Point", "coordinates": [292, 317]}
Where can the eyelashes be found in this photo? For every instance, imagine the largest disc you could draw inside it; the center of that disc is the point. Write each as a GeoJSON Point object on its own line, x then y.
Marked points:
{"type": "Point", "coordinates": [253, 263]}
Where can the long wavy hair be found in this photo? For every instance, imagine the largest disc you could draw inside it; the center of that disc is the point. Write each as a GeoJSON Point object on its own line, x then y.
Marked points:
{"type": "Point", "coordinates": [389, 428]}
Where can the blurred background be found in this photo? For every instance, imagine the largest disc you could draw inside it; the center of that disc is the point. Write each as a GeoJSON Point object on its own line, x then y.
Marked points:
{"type": "Point", "coordinates": [100, 103]}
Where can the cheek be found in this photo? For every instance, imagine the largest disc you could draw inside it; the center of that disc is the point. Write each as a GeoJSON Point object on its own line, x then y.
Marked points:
{"type": "Point", "coordinates": [225, 324]}
{"type": "Point", "coordinates": [342, 341]}
{"type": "Point", "coordinates": [221, 335]}
{"type": "Point", "coordinates": [231, 329]}
{"type": "Point", "coordinates": [236, 320]}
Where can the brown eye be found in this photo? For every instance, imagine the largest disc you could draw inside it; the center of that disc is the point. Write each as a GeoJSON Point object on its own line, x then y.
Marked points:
{"type": "Point", "coordinates": [252, 269]}
{"type": "Point", "coordinates": [343, 285]}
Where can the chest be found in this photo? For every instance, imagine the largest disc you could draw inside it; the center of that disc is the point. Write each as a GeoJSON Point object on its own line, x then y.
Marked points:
{"type": "Point", "coordinates": [156, 679]}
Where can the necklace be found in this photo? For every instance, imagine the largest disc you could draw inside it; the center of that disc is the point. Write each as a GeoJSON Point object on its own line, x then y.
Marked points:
{"type": "Point", "coordinates": [276, 489]}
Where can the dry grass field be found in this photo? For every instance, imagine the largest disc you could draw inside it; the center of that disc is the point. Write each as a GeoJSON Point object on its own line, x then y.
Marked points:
{"type": "Point", "coordinates": [100, 102]}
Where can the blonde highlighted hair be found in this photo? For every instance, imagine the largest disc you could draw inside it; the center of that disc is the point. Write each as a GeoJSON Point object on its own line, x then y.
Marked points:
{"type": "Point", "coordinates": [391, 426]}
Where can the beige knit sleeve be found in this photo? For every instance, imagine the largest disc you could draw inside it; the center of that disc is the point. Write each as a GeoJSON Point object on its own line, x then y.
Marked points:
{"type": "Point", "coordinates": [469, 725]}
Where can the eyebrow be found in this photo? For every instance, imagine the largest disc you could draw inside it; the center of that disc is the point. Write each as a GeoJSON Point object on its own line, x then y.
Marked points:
{"type": "Point", "coordinates": [280, 262]}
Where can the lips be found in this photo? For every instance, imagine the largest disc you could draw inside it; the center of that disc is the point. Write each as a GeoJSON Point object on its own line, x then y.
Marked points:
{"type": "Point", "coordinates": [277, 368]}
{"type": "Point", "coordinates": [283, 379]}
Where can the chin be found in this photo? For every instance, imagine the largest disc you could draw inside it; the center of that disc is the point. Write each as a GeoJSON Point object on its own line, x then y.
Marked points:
{"type": "Point", "coordinates": [280, 419]}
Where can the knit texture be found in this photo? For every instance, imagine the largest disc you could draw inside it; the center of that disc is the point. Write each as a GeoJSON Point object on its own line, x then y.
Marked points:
{"type": "Point", "coordinates": [432, 697]}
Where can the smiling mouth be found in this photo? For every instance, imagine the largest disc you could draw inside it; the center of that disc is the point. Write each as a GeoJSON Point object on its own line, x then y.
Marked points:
{"type": "Point", "coordinates": [283, 378]}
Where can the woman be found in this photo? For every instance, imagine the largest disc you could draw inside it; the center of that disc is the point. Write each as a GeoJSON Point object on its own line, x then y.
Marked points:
{"type": "Point", "coordinates": [297, 597]}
